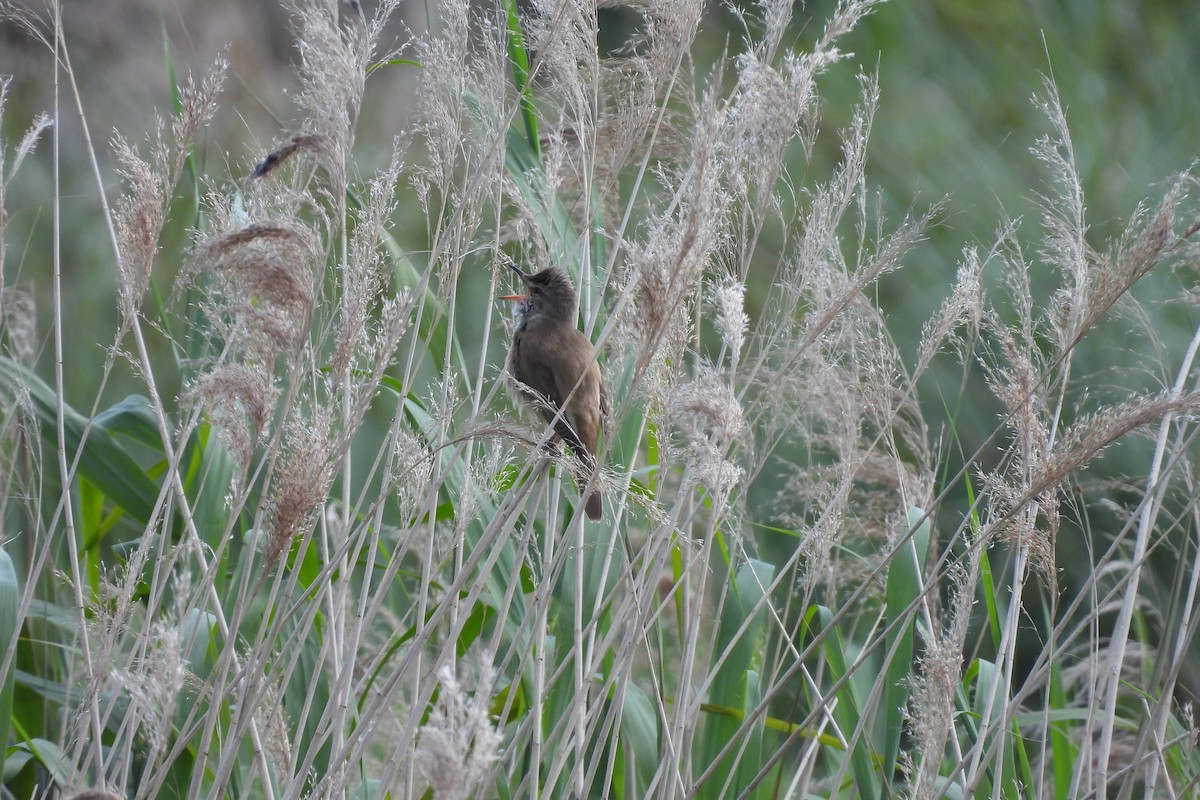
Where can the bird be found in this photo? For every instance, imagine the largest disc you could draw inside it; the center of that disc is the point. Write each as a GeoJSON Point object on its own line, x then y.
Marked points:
{"type": "Point", "coordinates": [555, 368]}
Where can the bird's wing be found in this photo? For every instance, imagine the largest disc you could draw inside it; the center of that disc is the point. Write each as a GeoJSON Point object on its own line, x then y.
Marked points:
{"type": "Point", "coordinates": [532, 366]}
{"type": "Point", "coordinates": [563, 370]}
{"type": "Point", "coordinates": [579, 379]}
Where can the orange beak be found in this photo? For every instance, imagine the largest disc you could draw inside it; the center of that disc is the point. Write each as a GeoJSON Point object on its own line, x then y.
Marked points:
{"type": "Point", "coordinates": [516, 297]}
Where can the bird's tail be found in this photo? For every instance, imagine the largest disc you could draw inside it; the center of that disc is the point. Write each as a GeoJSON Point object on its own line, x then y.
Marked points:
{"type": "Point", "coordinates": [592, 506]}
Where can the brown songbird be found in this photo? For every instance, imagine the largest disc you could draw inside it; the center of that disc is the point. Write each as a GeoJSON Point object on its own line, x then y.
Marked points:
{"type": "Point", "coordinates": [556, 367]}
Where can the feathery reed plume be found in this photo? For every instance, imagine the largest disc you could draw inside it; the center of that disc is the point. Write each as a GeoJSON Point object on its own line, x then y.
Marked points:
{"type": "Point", "coordinates": [302, 484]}
{"type": "Point", "coordinates": [730, 259]}
{"type": "Point", "coordinates": [153, 682]}
{"type": "Point", "coordinates": [365, 276]}
{"type": "Point", "coordinates": [932, 707]}
{"type": "Point", "coordinates": [8, 169]}
{"type": "Point", "coordinates": [141, 212]}
{"type": "Point", "coordinates": [461, 115]}
{"type": "Point", "coordinates": [274, 722]}
{"type": "Point", "coordinates": [1092, 282]}
{"type": "Point", "coordinates": [18, 320]}
{"type": "Point", "coordinates": [728, 300]}
{"type": "Point", "coordinates": [18, 308]}
{"type": "Point", "coordinates": [140, 215]}
{"type": "Point", "coordinates": [332, 69]}
{"type": "Point", "coordinates": [964, 306]}
{"type": "Point", "coordinates": [458, 742]}
{"type": "Point", "coordinates": [240, 400]}
{"type": "Point", "coordinates": [264, 295]}
{"type": "Point", "coordinates": [707, 418]}
{"type": "Point", "coordinates": [33, 25]}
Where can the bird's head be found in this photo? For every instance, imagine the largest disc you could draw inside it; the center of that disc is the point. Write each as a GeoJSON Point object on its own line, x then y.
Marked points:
{"type": "Point", "coordinates": [549, 298]}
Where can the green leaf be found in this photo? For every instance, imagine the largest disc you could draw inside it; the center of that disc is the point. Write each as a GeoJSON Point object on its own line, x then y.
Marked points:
{"type": "Point", "coordinates": [10, 598]}
{"type": "Point", "coordinates": [199, 629]}
{"type": "Point", "coordinates": [519, 707]}
{"type": "Point", "coordinates": [848, 712]}
{"type": "Point", "coordinates": [523, 165]}
{"type": "Point", "coordinates": [50, 756]}
{"type": "Point", "coordinates": [1063, 751]}
{"type": "Point", "coordinates": [977, 681]}
{"type": "Point", "coordinates": [519, 58]}
{"type": "Point", "coordinates": [308, 684]}
{"type": "Point", "coordinates": [393, 62]}
{"type": "Point", "coordinates": [58, 693]}
{"type": "Point", "coordinates": [132, 417]}
{"type": "Point", "coordinates": [477, 622]}
{"type": "Point", "coordinates": [208, 474]}
{"type": "Point", "coordinates": [905, 588]}
{"type": "Point", "coordinates": [102, 459]}
{"type": "Point", "coordinates": [736, 683]}
{"type": "Point", "coordinates": [637, 756]}
{"type": "Point", "coordinates": [93, 524]}
{"type": "Point", "coordinates": [53, 614]}
{"type": "Point", "coordinates": [15, 761]}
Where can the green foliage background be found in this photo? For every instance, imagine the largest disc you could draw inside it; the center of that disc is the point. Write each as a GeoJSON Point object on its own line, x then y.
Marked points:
{"type": "Point", "coordinates": [955, 124]}
{"type": "Point", "coordinates": [956, 121]}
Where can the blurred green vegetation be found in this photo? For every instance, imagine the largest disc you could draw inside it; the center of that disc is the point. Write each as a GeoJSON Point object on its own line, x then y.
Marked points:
{"type": "Point", "coordinates": [958, 117]}
{"type": "Point", "coordinates": [955, 121]}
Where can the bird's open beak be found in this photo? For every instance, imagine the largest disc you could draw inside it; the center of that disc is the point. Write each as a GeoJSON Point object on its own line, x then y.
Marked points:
{"type": "Point", "coordinates": [524, 279]}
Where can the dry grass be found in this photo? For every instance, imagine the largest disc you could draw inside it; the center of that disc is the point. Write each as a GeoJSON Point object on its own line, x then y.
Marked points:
{"type": "Point", "coordinates": [320, 557]}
